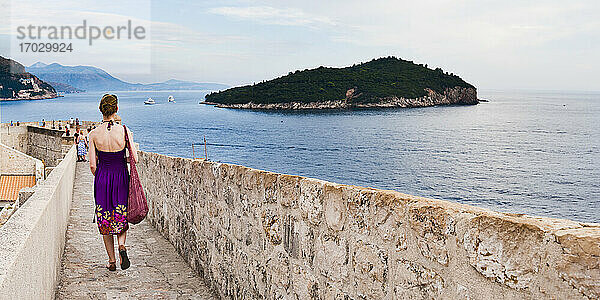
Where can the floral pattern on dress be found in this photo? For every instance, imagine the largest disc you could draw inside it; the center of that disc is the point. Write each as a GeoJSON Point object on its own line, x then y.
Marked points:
{"type": "Point", "coordinates": [112, 221]}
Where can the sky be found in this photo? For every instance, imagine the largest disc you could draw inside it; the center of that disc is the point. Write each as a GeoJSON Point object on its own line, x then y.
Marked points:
{"type": "Point", "coordinates": [539, 45]}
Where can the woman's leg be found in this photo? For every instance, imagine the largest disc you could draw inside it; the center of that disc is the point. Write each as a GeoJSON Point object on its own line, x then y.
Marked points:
{"type": "Point", "coordinates": [125, 263]}
{"type": "Point", "coordinates": [121, 238]}
{"type": "Point", "coordinates": [109, 244]}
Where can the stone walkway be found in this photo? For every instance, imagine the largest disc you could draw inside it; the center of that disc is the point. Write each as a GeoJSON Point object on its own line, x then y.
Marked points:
{"type": "Point", "coordinates": [157, 271]}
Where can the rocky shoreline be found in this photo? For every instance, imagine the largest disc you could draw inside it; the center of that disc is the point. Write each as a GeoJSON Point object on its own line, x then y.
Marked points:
{"type": "Point", "coordinates": [41, 97]}
{"type": "Point", "coordinates": [453, 96]}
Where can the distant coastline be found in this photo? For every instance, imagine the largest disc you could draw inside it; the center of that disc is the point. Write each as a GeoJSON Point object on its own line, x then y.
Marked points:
{"type": "Point", "coordinates": [30, 98]}
{"type": "Point", "coordinates": [17, 84]}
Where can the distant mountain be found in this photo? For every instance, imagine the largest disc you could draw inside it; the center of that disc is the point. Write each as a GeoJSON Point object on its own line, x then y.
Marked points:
{"type": "Point", "coordinates": [17, 84]}
{"type": "Point", "coordinates": [64, 88]}
{"type": "Point", "coordinates": [38, 65]}
{"type": "Point", "coordinates": [174, 84]}
{"type": "Point", "coordinates": [95, 79]}
{"type": "Point", "coordinates": [383, 82]}
{"type": "Point", "coordinates": [80, 77]}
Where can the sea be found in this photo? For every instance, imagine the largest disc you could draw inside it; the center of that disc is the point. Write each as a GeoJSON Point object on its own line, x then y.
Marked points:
{"type": "Point", "coordinates": [530, 152]}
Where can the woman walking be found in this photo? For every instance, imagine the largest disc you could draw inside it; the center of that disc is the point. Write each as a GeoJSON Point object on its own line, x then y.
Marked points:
{"type": "Point", "coordinates": [108, 163]}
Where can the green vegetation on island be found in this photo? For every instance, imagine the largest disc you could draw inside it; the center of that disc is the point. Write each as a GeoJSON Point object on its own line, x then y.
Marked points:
{"type": "Point", "coordinates": [368, 82]}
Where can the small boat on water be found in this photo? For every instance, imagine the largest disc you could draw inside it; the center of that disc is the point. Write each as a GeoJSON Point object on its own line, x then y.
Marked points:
{"type": "Point", "coordinates": [171, 98]}
{"type": "Point", "coordinates": [150, 101]}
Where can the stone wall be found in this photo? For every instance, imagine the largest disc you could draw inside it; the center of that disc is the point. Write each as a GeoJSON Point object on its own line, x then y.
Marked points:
{"type": "Point", "coordinates": [44, 144]}
{"type": "Point", "coordinates": [32, 240]}
{"type": "Point", "coordinates": [254, 234]}
{"type": "Point", "coordinates": [17, 163]}
{"type": "Point", "coordinates": [15, 137]}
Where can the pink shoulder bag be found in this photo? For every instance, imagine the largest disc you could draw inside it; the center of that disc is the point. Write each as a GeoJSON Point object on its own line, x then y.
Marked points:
{"type": "Point", "coordinates": [137, 205]}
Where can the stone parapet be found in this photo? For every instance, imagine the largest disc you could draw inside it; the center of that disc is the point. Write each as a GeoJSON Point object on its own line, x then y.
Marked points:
{"type": "Point", "coordinates": [254, 234]}
{"type": "Point", "coordinates": [32, 240]}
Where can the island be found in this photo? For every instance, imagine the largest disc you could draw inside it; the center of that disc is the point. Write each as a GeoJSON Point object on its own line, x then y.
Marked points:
{"type": "Point", "coordinates": [379, 83]}
{"type": "Point", "coordinates": [17, 84]}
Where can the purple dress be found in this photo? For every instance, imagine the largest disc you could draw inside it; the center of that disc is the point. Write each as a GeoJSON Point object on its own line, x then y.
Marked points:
{"type": "Point", "coordinates": [111, 188]}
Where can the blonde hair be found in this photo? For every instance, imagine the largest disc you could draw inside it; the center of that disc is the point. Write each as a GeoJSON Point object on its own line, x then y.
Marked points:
{"type": "Point", "coordinates": [108, 105]}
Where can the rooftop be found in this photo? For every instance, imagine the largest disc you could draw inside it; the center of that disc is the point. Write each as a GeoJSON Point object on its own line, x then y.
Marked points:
{"type": "Point", "coordinates": [10, 185]}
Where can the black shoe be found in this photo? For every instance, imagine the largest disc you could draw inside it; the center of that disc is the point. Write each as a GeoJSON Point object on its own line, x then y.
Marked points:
{"type": "Point", "coordinates": [125, 263]}
{"type": "Point", "coordinates": [112, 266]}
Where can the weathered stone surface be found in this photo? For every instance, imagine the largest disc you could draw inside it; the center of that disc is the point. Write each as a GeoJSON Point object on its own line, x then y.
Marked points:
{"type": "Point", "coordinates": [253, 234]}
{"type": "Point", "coordinates": [581, 258]}
{"type": "Point", "coordinates": [45, 144]}
{"type": "Point", "coordinates": [305, 284]}
{"type": "Point", "coordinates": [414, 281]}
{"type": "Point", "coordinates": [311, 200]}
{"type": "Point", "coordinates": [17, 163]}
{"type": "Point", "coordinates": [272, 226]}
{"type": "Point", "coordinates": [335, 207]}
{"type": "Point", "coordinates": [331, 259]}
{"type": "Point", "coordinates": [288, 188]}
{"type": "Point", "coordinates": [432, 226]}
{"type": "Point", "coordinates": [370, 270]}
{"type": "Point", "coordinates": [32, 240]}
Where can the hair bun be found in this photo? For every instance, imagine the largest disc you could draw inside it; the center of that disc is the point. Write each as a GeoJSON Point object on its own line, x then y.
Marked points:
{"type": "Point", "coordinates": [108, 105]}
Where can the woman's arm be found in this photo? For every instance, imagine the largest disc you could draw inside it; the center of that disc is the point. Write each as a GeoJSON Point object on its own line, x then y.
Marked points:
{"type": "Point", "coordinates": [92, 155]}
{"type": "Point", "coordinates": [134, 154]}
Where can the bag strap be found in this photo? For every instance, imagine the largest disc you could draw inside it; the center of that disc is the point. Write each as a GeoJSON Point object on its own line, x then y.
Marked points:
{"type": "Point", "coordinates": [126, 136]}
{"type": "Point", "coordinates": [128, 145]}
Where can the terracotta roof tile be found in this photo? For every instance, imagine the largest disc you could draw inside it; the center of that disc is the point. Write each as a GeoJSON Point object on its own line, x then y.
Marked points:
{"type": "Point", "coordinates": [10, 185]}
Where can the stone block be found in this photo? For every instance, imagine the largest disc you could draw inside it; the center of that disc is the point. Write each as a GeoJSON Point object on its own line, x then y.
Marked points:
{"type": "Point", "coordinates": [370, 270]}
{"type": "Point", "coordinates": [288, 188]}
{"type": "Point", "coordinates": [335, 209]}
{"type": "Point", "coordinates": [411, 280]}
{"type": "Point", "coordinates": [272, 223]}
{"type": "Point", "coordinates": [311, 200]}
{"type": "Point", "coordinates": [580, 262]}
{"type": "Point", "coordinates": [332, 260]}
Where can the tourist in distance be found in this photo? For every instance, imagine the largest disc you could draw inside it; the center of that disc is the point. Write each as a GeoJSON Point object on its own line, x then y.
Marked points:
{"type": "Point", "coordinates": [87, 141]}
{"type": "Point", "coordinates": [108, 163]}
{"type": "Point", "coordinates": [76, 141]}
{"type": "Point", "coordinates": [81, 145]}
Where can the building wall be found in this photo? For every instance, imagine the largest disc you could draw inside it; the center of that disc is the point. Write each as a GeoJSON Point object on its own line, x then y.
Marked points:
{"type": "Point", "coordinates": [17, 163]}
{"type": "Point", "coordinates": [254, 234]}
{"type": "Point", "coordinates": [15, 137]}
{"type": "Point", "coordinates": [33, 238]}
{"type": "Point", "coordinates": [44, 144]}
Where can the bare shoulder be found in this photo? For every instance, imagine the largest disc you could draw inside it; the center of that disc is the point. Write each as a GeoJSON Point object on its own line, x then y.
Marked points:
{"type": "Point", "coordinates": [93, 133]}
{"type": "Point", "coordinates": [121, 127]}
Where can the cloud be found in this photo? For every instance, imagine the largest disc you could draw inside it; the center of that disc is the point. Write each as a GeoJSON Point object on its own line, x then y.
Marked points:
{"type": "Point", "coordinates": [175, 34]}
{"type": "Point", "coordinates": [273, 16]}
